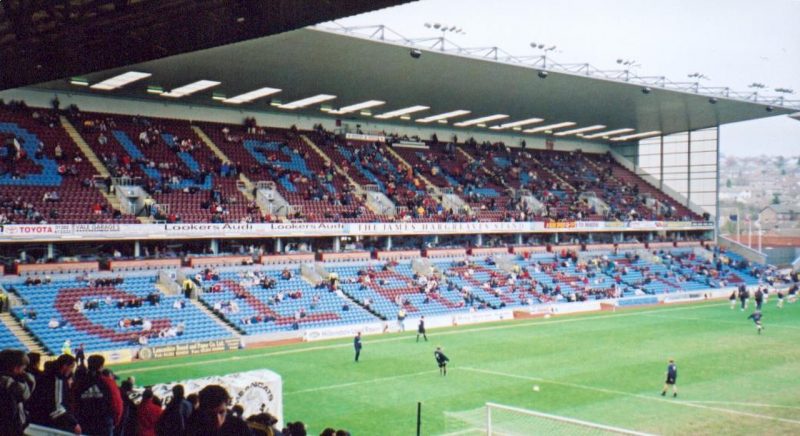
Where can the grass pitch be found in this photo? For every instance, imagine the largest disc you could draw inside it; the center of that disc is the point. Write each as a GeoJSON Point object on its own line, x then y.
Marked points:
{"type": "Point", "coordinates": [604, 367]}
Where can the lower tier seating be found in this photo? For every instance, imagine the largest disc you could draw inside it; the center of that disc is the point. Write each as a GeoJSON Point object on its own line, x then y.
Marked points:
{"type": "Point", "coordinates": [129, 311]}
{"type": "Point", "coordinates": [112, 316]}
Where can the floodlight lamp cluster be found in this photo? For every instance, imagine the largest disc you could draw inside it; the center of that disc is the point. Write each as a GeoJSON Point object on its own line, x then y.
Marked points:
{"type": "Point", "coordinates": [543, 47]}
{"type": "Point", "coordinates": [444, 28]}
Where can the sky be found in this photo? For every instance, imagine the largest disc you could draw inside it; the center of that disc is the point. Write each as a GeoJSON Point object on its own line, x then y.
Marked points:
{"type": "Point", "coordinates": [733, 42]}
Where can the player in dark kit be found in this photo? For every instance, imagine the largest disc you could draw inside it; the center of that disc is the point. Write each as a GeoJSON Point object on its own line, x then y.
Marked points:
{"type": "Point", "coordinates": [421, 329]}
{"type": "Point", "coordinates": [357, 345]}
{"type": "Point", "coordinates": [759, 298]}
{"type": "Point", "coordinates": [744, 295]}
{"type": "Point", "coordinates": [756, 317]}
{"type": "Point", "coordinates": [672, 378]}
{"type": "Point", "coordinates": [442, 360]}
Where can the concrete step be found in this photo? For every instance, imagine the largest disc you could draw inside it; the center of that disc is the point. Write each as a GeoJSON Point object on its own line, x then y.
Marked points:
{"type": "Point", "coordinates": [466, 155]}
{"type": "Point", "coordinates": [164, 289]}
{"type": "Point", "coordinates": [87, 151]}
{"type": "Point", "coordinates": [216, 319]}
{"type": "Point", "coordinates": [249, 185]}
{"type": "Point", "coordinates": [421, 177]}
{"type": "Point", "coordinates": [16, 329]}
{"type": "Point", "coordinates": [207, 140]}
{"type": "Point", "coordinates": [359, 188]}
{"type": "Point", "coordinates": [554, 174]}
{"type": "Point", "coordinates": [84, 147]}
{"type": "Point", "coordinates": [472, 159]}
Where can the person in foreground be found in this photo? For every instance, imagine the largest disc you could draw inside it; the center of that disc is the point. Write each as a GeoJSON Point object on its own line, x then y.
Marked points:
{"type": "Point", "coordinates": [212, 418]}
{"type": "Point", "coordinates": [16, 386]}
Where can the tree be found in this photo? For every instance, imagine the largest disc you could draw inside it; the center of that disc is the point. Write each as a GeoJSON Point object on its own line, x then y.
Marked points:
{"type": "Point", "coordinates": [728, 183]}
{"type": "Point", "coordinates": [776, 198]}
{"type": "Point", "coordinates": [730, 227]}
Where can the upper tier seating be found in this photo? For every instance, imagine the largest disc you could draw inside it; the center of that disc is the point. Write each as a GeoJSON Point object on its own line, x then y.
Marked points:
{"type": "Point", "coordinates": [168, 159]}
{"type": "Point", "coordinates": [193, 184]}
{"type": "Point", "coordinates": [104, 327]}
{"type": "Point", "coordinates": [559, 178]}
{"type": "Point", "coordinates": [39, 180]}
{"type": "Point", "coordinates": [372, 164]}
{"type": "Point", "coordinates": [447, 167]}
{"type": "Point", "coordinates": [302, 176]}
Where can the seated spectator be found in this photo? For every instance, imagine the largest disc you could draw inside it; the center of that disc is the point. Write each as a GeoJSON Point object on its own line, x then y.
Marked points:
{"type": "Point", "coordinates": [154, 298]}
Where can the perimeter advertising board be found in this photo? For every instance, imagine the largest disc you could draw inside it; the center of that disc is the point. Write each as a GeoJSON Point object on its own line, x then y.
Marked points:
{"type": "Point", "coordinates": [67, 232]}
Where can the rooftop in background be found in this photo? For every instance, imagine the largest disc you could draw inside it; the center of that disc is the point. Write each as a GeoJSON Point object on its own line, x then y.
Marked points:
{"type": "Point", "coordinates": [310, 62]}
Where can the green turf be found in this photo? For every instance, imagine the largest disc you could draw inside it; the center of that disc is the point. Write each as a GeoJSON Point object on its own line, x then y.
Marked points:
{"type": "Point", "coordinates": [603, 367]}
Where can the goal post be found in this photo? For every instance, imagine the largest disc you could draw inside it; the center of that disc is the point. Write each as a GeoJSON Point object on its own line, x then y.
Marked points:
{"type": "Point", "coordinates": [500, 420]}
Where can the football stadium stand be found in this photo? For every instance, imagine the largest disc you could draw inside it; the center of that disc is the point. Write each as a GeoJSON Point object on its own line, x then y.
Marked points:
{"type": "Point", "coordinates": [43, 171]}
{"type": "Point", "coordinates": [108, 312]}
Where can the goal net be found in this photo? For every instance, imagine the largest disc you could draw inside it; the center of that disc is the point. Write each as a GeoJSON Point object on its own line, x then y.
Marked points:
{"type": "Point", "coordinates": [499, 420]}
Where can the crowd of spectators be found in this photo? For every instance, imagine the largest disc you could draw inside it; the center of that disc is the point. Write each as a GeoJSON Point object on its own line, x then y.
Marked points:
{"type": "Point", "coordinates": [82, 396]}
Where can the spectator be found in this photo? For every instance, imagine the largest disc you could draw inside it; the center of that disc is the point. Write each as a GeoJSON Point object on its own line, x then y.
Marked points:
{"type": "Point", "coordinates": [263, 424]}
{"type": "Point", "coordinates": [295, 429]}
{"type": "Point", "coordinates": [127, 424]}
{"type": "Point", "coordinates": [98, 402]}
{"type": "Point", "coordinates": [34, 365]}
{"type": "Point", "coordinates": [173, 420]}
{"type": "Point", "coordinates": [49, 405]}
{"type": "Point", "coordinates": [212, 417]}
{"type": "Point", "coordinates": [148, 414]}
{"type": "Point", "coordinates": [16, 387]}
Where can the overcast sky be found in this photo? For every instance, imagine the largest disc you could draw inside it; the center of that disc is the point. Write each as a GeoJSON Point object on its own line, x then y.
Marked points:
{"type": "Point", "coordinates": [733, 42]}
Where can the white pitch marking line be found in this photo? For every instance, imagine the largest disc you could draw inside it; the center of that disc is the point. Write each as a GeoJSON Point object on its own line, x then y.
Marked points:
{"type": "Point", "coordinates": [744, 321]}
{"type": "Point", "coordinates": [535, 323]}
{"type": "Point", "coordinates": [356, 383]}
{"type": "Point", "coordinates": [734, 403]}
{"type": "Point", "coordinates": [644, 397]}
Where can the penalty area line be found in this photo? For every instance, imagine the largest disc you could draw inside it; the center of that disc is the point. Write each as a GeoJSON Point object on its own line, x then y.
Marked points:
{"type": "Point", "coordinates": [639, 396]}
